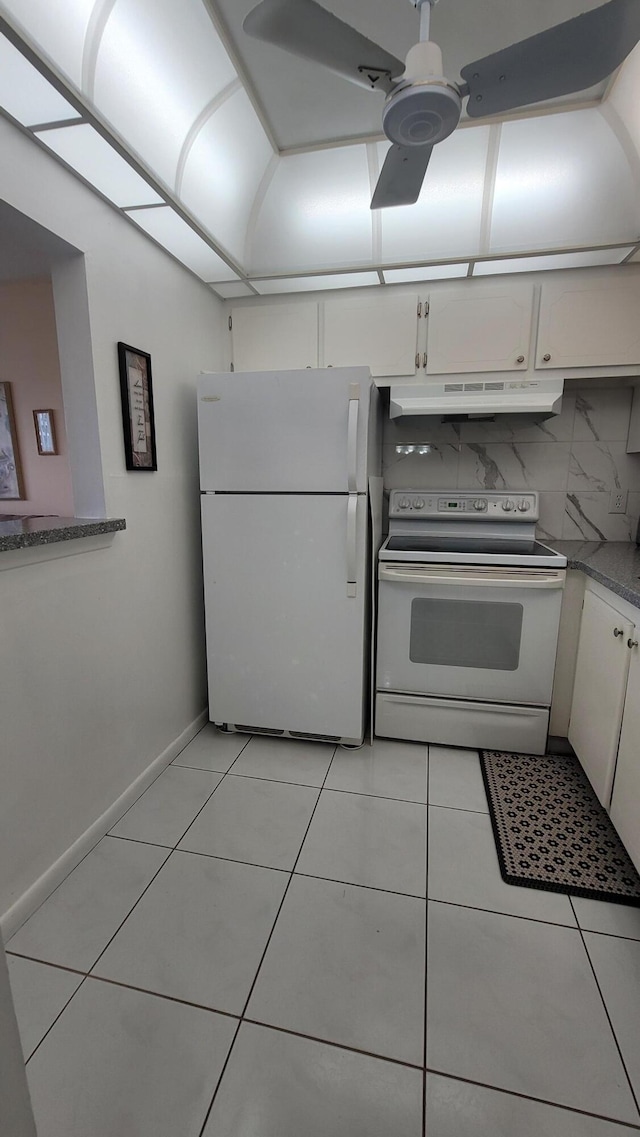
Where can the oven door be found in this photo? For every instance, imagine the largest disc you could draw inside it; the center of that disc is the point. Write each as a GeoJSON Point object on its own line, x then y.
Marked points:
{"type": "Point", "coordinates": [465, 631]}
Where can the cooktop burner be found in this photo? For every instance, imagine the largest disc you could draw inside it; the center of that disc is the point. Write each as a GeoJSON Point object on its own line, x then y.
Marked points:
{"type": "Point", "coordinates": [485, 527]}
{"type": "Point", "coordinates": [479, 546]}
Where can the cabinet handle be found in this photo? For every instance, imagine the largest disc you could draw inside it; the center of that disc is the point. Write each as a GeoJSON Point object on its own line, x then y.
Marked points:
{"type": "Point", "coordinates": [520, 359]}
{"type": "Point", "coordinates": [546, 358]}
{"type": "Point", "coordinates": [418, 361]}
{"type": "Point", "coordinates": [618, 632]}
{"type": "Point", "coordinates": [424, 360]}
{"type": "Point", "coordinates": [632, 643]}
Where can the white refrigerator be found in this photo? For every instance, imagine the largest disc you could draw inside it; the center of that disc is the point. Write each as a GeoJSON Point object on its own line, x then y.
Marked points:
{"type": "Point", "coordinates": [287, 459]}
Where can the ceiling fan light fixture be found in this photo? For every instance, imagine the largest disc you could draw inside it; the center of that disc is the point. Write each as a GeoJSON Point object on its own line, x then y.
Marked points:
{"type": "Point", "coordinates": [422, 114]}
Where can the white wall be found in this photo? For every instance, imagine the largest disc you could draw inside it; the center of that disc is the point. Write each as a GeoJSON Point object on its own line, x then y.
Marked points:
{"type": "Point", "coordinates": [101, 654]}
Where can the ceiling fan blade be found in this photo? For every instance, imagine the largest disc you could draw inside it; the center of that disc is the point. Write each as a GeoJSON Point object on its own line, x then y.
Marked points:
{"type": "Point", "coordinates": [401, 176]}
{"type": "Point", "coordinates": [570, 57]}
{"type": "Point", "coordinates": [304, 28]}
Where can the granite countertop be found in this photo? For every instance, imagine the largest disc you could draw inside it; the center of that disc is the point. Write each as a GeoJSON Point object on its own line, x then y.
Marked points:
{"type": "Point", "coordinates": [24, 532]}
{"type": "Point", "coordinates": [616, 564]}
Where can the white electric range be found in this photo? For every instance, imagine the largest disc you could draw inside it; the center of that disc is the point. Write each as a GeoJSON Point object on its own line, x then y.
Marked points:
{"type": "Point", "coordinates": [468, 617]}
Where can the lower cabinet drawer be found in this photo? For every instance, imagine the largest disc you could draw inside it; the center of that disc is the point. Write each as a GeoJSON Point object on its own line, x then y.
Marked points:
{"type": "Point", "coordinates": [454, 722]}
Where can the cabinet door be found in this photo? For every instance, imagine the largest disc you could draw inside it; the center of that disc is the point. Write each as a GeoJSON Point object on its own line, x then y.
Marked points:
{"type": "Point", "coordinates": [275, 337]}
{"type": "Point", "coordinates": [625, 802]}
{"type": "Point", "coordinates": [483, 329]}
{"type": "Point", "coordinates": [589, 324]}
{"type": "Point", "coordinates": [378, 332]}
{"type": "Point", "coordinates": [599, 691]}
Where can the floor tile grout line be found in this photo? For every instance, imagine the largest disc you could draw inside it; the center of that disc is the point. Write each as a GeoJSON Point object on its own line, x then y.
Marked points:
{"type": "Point", "coordinates": [340, 1046]}
{"type": "Point", "coordinates": [426, 957]}
{"type": "Point", "coordinates": [48, 963]}
{"type": "Point", "coordinates": [508, 915]}
{"type": "Point", "coordinates": [610, 1021]}
{"type": "Point", "coordinates": [336, 1045]}
{"type": "Point", "coordinates": [219, 1080]}
{"type": "Point", "coordinates": [61, 1012]}
{"type": "Point", "coordinates": [266, 947]}
{"type": "Point", "coordinates": [291, 876]}
{"type": "Point", "coordinates": [459, 809]}
{"type": "Point", "coordinates": [168, 767]}
{"type": "Point", "coordinates": [132, 909]}
{"type": "Point", "coordinates": [529, 1097]}
{"type": "Point", "coordinates": [108, 834]}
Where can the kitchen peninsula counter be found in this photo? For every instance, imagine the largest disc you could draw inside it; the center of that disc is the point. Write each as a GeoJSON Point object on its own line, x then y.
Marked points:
{"type": "Point", "coordinates": [615, 564]}
{"type": "Point", "coordinates": [26, 532]}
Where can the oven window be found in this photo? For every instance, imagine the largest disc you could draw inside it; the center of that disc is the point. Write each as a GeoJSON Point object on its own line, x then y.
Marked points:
{"type": "Point", "coordinates": [466, 633]}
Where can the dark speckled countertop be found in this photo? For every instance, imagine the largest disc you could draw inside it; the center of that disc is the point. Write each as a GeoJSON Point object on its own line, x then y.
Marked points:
{"type": "Point", "coordinates": [616, 564]}
{"type": "Point", "coordinates": [24, 532]}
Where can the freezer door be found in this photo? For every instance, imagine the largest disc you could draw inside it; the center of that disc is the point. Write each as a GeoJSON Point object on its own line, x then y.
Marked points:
{"type": "Point", "coordinates": [286, 639]}
{"type": "Point", "coordinates": [285, 431]}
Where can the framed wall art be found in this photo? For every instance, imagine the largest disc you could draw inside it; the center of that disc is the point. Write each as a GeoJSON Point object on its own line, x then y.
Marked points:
{"type": "Point", "coordinates": [137, 408]}
{"type": "Point", "coordinates": [11, 483]}
{"type": "Point", "coordinates": [45, 432]}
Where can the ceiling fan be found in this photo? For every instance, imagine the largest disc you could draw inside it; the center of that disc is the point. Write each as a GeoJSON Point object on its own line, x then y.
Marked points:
{"type": "Point", "coordinates": [423, 107]}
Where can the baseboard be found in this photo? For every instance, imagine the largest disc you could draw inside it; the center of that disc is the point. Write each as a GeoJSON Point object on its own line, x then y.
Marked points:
{"type": "Point", "coordinates": [37, 893]}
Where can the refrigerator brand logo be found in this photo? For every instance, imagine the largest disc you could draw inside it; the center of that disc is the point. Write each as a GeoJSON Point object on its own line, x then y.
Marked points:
{"type": "Point", "coordinates": [210, 398]}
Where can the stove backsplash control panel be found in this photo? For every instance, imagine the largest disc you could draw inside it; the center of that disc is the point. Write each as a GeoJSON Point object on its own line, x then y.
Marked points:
{"type": "Point", "coordinates": [483, 505]}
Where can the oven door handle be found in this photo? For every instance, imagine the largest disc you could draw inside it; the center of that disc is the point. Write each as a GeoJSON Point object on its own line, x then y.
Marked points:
{"type": "Point", "coordinates": [412, 575]}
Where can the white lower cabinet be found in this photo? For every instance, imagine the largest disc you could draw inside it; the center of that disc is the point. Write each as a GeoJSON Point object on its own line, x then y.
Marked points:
{"type": "Point", "coordinates": [625, 802]}
{"type": "Point", "coordinates": [604, 728]}
{"type": "Point", "coordinates": [599, 691]}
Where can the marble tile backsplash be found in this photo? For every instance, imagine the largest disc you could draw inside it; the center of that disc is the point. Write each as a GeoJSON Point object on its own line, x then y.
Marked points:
{"type": "Point", "coordinates": [574, 460]}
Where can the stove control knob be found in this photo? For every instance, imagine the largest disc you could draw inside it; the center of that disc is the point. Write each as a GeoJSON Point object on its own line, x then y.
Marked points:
{"type": "Point", "coordinates": [524, 506]}
{"type": "Point", "coordinates": [508, 505]}
{"type": "Point", "coordinates": [404, 503]}
{"type": "Point", "coordinates": [480, 504]}
{"type": "Point", "coordinates": [418, 503]}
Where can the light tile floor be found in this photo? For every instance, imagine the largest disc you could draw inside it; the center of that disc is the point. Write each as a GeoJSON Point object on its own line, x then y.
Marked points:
{"type": "Point", "coordinates": [245, 955]}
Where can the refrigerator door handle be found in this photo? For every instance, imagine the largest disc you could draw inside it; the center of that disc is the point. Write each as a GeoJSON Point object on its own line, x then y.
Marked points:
{"type": "Point", "coordinates": [352, 517]}
{"type": "Point", "coordinates": [352, 437]}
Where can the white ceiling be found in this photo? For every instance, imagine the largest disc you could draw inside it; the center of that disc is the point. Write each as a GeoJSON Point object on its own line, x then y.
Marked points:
{"type": "Point", "coordinates": [178, 119]}
{"type": "Point", "coordinates": [304, 104]}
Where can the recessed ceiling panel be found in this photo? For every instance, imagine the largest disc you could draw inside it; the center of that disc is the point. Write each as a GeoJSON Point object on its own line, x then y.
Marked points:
{"type": "Point", "coordinates": [170, 231]}
{"type": "Point", "coordinates": [232, 290]}
{"type": "Point", "coordinates": [445, 221]}
{"type": "Point", "coordinates": [82, 148]}
{"type": "Point", "coordinates": [317, 283]}
{"type": "Point", "coordinates": [159, 64]}
{"type": "Point", "coordinates": [585, 259]}
{"type": "Point", "coordinates": [25, 94]}
{"type": "Point", "coordinates": [305, 103]}
{"type": "Point", "coordinates": [426, 272]}
{"type": "Point", "coordinates": [59, 29]}
{"type": "Point", "coordinates": [224, 169]}
{"type": "Point", "coordinates": [315, 213]}
{"type": "Point", "coordinates": [562, 180]}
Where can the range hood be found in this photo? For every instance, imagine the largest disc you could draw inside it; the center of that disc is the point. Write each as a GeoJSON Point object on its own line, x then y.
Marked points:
{"type": "Point", "coordinates": [472, 399]}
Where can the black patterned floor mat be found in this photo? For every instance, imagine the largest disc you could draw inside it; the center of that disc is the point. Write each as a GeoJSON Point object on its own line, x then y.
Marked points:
{"type": "Point", "coordinates": [551, 831]}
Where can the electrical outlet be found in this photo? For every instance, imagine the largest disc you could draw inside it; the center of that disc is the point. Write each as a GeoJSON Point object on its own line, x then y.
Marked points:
{"type": "Point", "coordinates": [618, 501]}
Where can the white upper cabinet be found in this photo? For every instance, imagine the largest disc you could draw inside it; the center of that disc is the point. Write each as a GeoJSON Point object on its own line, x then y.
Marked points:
{"type": "Point", "coordinates": [275, 337]}
{"type": "Point", "coordinates": [590, 324]}
{"type": "Point", "coordinates": [483, 329]}
{"type": "Point", "coordinates": [378, 332]}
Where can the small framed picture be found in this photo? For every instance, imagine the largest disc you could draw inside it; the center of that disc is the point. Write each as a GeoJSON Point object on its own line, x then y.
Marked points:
{"type": "Point", "coordinates": [137, 408]}
{"type": "Point", "coordinates": [45, 432]}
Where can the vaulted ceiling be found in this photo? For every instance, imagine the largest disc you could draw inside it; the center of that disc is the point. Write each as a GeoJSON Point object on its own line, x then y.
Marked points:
{"type": "Point", "coordinates": [255, 169]}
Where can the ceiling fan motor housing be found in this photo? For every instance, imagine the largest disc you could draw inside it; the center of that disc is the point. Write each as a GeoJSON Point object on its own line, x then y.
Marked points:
{"type": "Point", "coordinates": [425, 108]}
